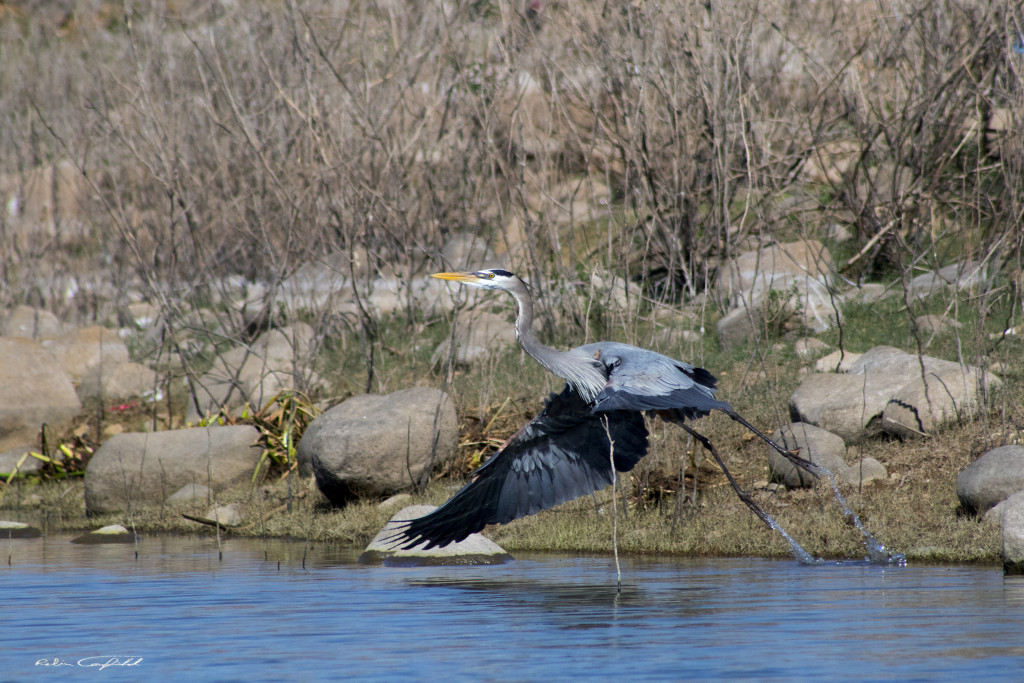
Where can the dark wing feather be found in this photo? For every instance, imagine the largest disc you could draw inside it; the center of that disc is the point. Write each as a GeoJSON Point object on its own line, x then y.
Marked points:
{"type": "Point", "coordinates": [558, 456]}
{"type": "Point", "coordinates": [639, 379]}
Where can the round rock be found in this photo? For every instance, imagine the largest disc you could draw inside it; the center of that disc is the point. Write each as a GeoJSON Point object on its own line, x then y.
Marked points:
{"type": "Point", "coordinates": [374, 445]}
{"type": "Point", "coordinates": [10, 529]}
{"type": "Point", "coordinates": [32, 323]}
{"type": "Point", "coordinates": [118, 383]}
{"type": "Point", "coordinates": [864, 471]}
{"type": "Point", "coordinates": [817, 445]}
{"type": "Point", "coordinates": [191, 494]}
{"type": "Point", "coordinates": [951, 393]}
{"type": "Point", "coordinates": [145, 468]}
{"type": "Point", "coordinates": [992, 478]}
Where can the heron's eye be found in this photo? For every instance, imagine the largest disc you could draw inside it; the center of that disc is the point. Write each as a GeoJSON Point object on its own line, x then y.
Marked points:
{"type": "Point", "coordinates": [485, 275]}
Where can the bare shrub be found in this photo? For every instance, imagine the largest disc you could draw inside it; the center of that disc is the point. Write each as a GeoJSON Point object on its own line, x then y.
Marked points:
{"type": "Point", "coordinates": [224, 147]}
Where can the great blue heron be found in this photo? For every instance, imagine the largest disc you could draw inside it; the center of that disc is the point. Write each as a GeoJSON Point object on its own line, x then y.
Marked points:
{"type": "Point", "coordinates": [563, 453]}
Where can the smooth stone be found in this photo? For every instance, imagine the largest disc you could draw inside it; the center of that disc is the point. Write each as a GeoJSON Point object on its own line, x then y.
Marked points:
{"type": "Point", "coordinates": [473, 550]}
{"type": "Point", "coordinates": [809, 347]}
{"type": "Point", "coordinates": [141, 468]}
{"type": "Point", "coordinates": [376, 445]}
{"type": "Point", "coordinates": [864, 471]}
{"type": "Point", "coordinates": [87, 348]}
{"type": "Point", "coordinates": [32, 323]}
{"type": "Point", "coordinates": [844, 404]}
{"type": "Point", "coordinates": [11, 529]}
{"type": "Point", "coordinates": [36, 390]}
{"type": "Point", "coordinates": [17, 459]}
{"type": "Point", "coordinates": [817, 445]}
{"type": "Point", "coordinates": [112, 533]}
{"type": "Point", "coordinates": [837, 361]}
{"type": "Point", "coordinates": [991, 479]}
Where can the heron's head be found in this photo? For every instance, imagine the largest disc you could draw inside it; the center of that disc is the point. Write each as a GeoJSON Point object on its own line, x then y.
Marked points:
{"type": "Point", "coordinates": [492, 278]}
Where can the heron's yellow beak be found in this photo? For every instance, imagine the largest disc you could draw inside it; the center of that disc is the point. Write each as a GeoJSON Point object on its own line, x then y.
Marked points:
{"type": "Point", "coordinates": [457, 277]}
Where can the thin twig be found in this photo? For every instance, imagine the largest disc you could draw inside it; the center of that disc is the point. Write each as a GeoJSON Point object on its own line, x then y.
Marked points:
{"type": "Point", "coordinates": [615, 509]}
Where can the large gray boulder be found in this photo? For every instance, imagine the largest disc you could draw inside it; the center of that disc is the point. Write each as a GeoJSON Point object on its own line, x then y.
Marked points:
{"type": "Point", "coordinates": [899, 366]}
{"type": "Point", "coordinates": [942, 396]}
{"type": "Point", "coordinates": [884, 390]}
{"type": "Point", "coordinates": [36, 390]}
{"type": "Point", "coordinates": [837, 361]}
{"type": "Point", "coordinates": [886, 360]}
{"type": "Point", "coordinates": [864, 471]}
{"type": "Point", "coordinates": [848, 405]}
{"type": "Point", "coordinates": [146, 468]}
{"type": "Point", "coordinates": [474, 549]}
{"type": "Point", "coordinates": [17, 460]}
{"type": "Point", "coordinates": [373, 445]}
{"type": "Point", "coordinates": [817, 445]}
{"type": "Point", "coordinates": [992, 478]}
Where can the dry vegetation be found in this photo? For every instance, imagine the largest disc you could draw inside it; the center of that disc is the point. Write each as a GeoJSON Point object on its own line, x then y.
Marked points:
{"type": "Point", "coordinates": [222, 145]}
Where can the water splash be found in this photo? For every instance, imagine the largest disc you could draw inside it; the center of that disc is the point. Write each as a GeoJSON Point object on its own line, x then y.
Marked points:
{"type": "Point", "coordinates": [877, 552]}
{"type": "Point", "coordinates": [801, 555]}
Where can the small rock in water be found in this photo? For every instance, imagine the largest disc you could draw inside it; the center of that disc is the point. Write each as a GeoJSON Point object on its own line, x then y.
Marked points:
{"type": "Point", "coordinates": [112, 533]}
{"type": "Point", "coordinates": [18, 530]}
{"type": "Point", "coordinates": [475, 549]}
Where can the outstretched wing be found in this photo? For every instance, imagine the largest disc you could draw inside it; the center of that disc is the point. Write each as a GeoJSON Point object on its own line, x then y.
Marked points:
{"type": "Point", "coordinates": [560, 455]}
{"type": "Point", "coordinates": [639, 379]}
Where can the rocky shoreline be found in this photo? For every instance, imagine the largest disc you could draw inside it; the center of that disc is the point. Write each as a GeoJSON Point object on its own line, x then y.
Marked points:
{"type": "Point", "coordinates": [373, 446]}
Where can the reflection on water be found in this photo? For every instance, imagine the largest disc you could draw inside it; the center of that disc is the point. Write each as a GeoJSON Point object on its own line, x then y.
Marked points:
{"type": "Point", "coordinates": [282, 610]}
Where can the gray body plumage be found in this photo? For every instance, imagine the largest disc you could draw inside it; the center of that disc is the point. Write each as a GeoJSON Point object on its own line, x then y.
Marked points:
{"type": "Point", "coordinates": [610, 374]}
{"type": "Point", "coordinates": [640, 379]}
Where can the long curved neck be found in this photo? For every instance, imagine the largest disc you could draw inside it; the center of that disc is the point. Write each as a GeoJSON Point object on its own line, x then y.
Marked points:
{"type": "Point", "coordinates": [578, 370]}
{"type": "Point", "coordinates": [542, 353]}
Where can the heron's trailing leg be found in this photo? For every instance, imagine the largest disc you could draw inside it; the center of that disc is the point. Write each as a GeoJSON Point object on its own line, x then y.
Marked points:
{"type": "Point", "coordinates": [743, 495]}
{"type": "Point", "coordinates": [791, 456]}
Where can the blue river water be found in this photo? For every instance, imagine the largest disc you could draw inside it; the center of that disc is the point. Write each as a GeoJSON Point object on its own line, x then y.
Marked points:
{"type": "Point", "coordinates": [180, 608]}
